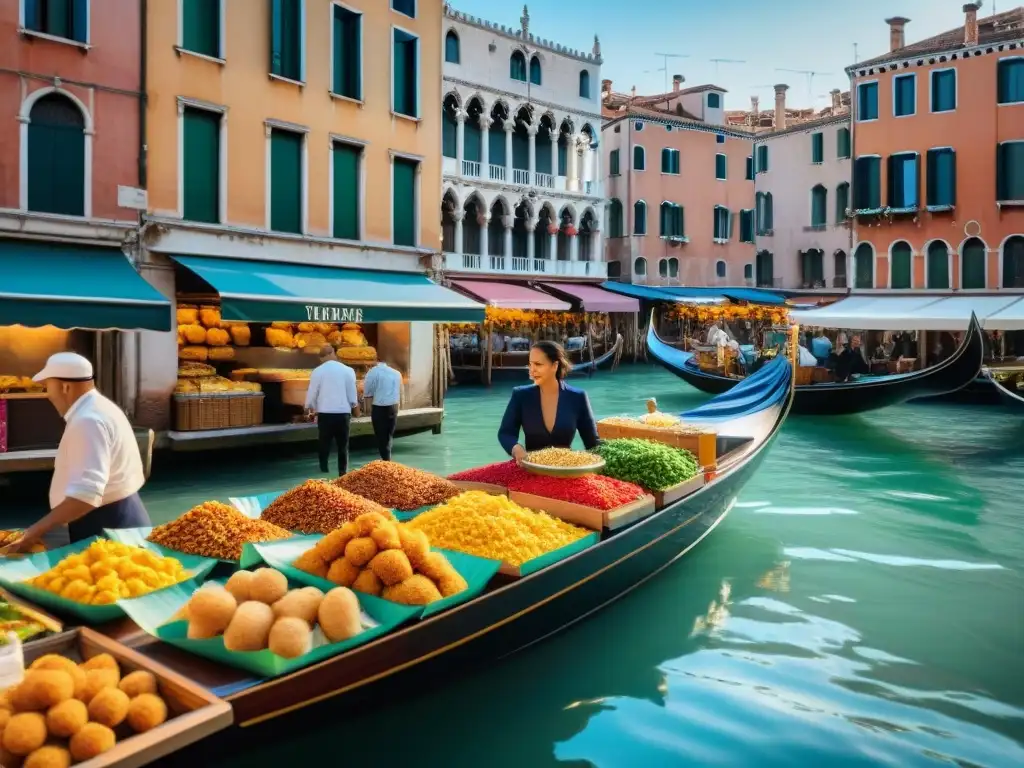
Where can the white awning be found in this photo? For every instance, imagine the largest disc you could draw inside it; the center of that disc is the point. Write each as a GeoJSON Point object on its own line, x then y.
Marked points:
{"type": "Point", "coordinates": [954, 312]}
{"type": "Point", "coordinates": [871, 313]}
{"type": "Point", "coordinates": [1010, 318]}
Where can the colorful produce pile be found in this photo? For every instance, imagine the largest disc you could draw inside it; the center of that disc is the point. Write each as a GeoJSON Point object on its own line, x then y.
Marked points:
{"type": "Point", "coordinates": [63, 712]}
{"type": "Point", "coordinates": [658, 420]}
{"type": "Point", "coordinates": [23, 622]}
{"type": "Point", "coordinates": [216, 530]}
{"type": "Point", "coordinates": [397, 486]}
{"type": "Point", "coordinates": [562, 457]}
{"type": "Point", "coordinates": [595, 491]}
{"type": "Point", "coordinates": [318, 507]}
{"type": "Point", "coordinates": [650, 465]}
{"type": "Point", "coordinates": [256, 610]}
{"type": "Point", "coordinates": [382, 558]}
{"type": "Point", "coordinates": [494, 527]}
{"type": "Point", "coordinates": [9, 537]}
{"type": "Point", "coordinates": [503, 474]}
{"type": "Point", "coordinates": [107, 571]}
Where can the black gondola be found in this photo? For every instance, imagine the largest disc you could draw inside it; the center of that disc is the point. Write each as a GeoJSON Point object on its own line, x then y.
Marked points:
{"type": "Point", "coordinates": [607, 360]}
{"type": "Point", "coordinates": [868, 393]}
{"type": "Point", "coordinates": [1011, 398]}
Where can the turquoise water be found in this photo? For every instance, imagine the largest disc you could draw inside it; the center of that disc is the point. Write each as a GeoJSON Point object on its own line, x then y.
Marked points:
{"type": "Point", "coordinates": [863, 605]}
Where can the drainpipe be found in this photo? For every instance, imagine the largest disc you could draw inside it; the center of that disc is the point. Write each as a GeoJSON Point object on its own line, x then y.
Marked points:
{"type": "Point", "coordinates": [851, 265]}
{"type": "Point", "coordinates": [143, 46]}
{"type": "Point", "coordinates": [627, 210]}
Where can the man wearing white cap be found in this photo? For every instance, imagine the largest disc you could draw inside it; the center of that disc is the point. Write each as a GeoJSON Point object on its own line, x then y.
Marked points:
{"type": "Point", "coordinates": [98, 470]}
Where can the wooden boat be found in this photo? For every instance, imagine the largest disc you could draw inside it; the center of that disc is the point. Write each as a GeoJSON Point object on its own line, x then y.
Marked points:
{"type": "Point", "coordinates": [1010, 396]}
{"type": "Point", "coordinates": [469, 368]}
{"type": "Point", "coordinates": [608, 360]}
{"type": "Point", "coordinates": [510, 615]}
{"type": "Point", "coordinates": [834, 398]}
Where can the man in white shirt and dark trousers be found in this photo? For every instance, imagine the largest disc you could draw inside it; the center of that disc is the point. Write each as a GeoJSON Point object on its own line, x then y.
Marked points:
{"type": "Point", "coordinates": [332, 398]}
{"type": "Point", "coordinates": [383, 387]}
{"type": "Point", "coordinates": [98, 471]}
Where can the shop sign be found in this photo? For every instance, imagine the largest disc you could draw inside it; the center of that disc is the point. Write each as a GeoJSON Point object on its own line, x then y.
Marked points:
{"type": "Point", "coordinates": [323, 313]}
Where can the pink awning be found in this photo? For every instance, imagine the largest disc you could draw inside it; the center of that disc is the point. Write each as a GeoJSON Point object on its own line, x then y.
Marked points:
{"type": "Point", "coordinates": [508, 296]}
{"type": "Point", "coordinates": [595, 299]}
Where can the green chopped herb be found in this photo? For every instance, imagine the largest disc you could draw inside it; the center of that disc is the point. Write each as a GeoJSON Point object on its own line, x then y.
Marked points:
{"type": "Point", "coordinates": [651, 465]}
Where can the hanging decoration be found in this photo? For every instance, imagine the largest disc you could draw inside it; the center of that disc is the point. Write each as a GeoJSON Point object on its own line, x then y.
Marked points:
{"type": "Point", "coordinates": [704, 313]}
{"type": "Point", "coordinates": [525, 320]}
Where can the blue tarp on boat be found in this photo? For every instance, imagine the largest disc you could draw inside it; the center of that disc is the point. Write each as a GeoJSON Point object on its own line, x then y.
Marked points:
{"type": "Point", "coordinates": [769, 386]}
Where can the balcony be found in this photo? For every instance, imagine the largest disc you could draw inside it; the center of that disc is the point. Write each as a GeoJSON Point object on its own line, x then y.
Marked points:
{"type": "Point", "coordinates": [471, 168]}
{"type": "Point", "coordinates": [520, 266]}
{"type": "Point", "coordinates": [521, 176]}
{"type": "Point", "coordinates": [496, 172]}
{"type": "Point", "coordinates": [545, 180]}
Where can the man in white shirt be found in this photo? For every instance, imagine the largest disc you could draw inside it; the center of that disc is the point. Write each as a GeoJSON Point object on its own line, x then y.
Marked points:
{"type": "Point", "coordinates": [383, 388]}
{"type": "Point", "coordinates": [332, 398]}
{"type": "Point", "coordinates": [98, 471]}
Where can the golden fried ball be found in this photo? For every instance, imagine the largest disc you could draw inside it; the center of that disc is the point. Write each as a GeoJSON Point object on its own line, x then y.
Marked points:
{"type": "Point", "coordinates": [339, 615]}
{"type": "Point", "coordinates": [48, 757]}
{"type": "Point", "coordinates": [300, 603]}
{"type": "Point", "coordinates": [42, 688]}
{"type": "Point", "coordinates": [109, 707]}
{"type": "Point", "coordinates": [451, 584]}
{"type": "Point", "coordinates": [5, 715]}
{"type": "Point", "coordinates": [53, 661]}
{"type": "Point", "coordinates": [290, 637]}
{"type": "Point", "coordinates": [212, 606]}
{"type": "Point", "coordinates": [416, 590]}
{"type": "Point", "coordinates": [267, 585]}
{"type": "Point", "coordinates": [434, 566]}
{"type": "Point", "coordinates": [5, 702]}
{"type": "Point", "coordinates": [98, 679]}
{"type": "Point", "coordinates": [137, 682]}
{"type": "Point", "coordinates": [146, 711]}
{"type": "Point", "coordinates": [368, 583]}
{"type": "Point", "coordinates": [385, 536]}
{"type": "Point", "coordinates": [368, 521]}
{"type": "Point", "coordinates": [361, 550]}
{"type": "Point", "coordinates": [67, 718]}
{"type": "Point", "coordinates": [414, 544]}
{"type": "Point", "coordinates": [311, 562]}
{"type": "Point", "coordinates": [343, 571]}
{"type": "Point", "coordinates": [239, 585]}
{"type": "Point", "coordinates": [94, 739]}
{"type": "Point", "coordinates": [25, 733]}
{"type": "Point", "coordinates": [250, 627]}
{"type": "Point", "coordinates": [391, 566]}
{"type": "Point", "coordinates": [332, 546]}
{"type": "Point", "coordinates": [101, 661]}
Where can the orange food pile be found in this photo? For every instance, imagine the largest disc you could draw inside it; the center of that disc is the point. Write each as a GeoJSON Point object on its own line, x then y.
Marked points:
{"type": "Point", "coordinates": [397, 486]}
{"type": "Point", "coordinates": [379, 557]}
{"type": "Point", "coordinates": [216, 530]}
{"type": "Point", "coordinates": [318, 507]}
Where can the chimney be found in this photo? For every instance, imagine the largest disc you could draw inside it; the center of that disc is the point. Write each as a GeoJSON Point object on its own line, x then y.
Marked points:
{"type": "Point", "coordinates": [780, 107]}
{"type": "Point", "coordinates": [971, 23]}
{"type": "Point", "coordinates": [837, 100]}
{"type": "Point", "coordinates": [606, 86]}
{"type": "Point", "coordinates": [677, 82]}
{"type": "Point", "coordinates": [755, 112]}
{"type": "Point", "coordinates": [896, 25]}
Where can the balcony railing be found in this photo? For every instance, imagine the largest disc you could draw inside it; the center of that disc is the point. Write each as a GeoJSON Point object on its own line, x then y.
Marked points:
{"type": "Point", "coordinates": [545, 180]}
{"type": "Point", "coordinates": [496, 172]}
{"type": "Point", "coordinates": [769, 282]}
{"type": "Point", "coordinates": [471, 168]}
{"type": "Point", "coordinates": [588, 187]}
{"type": "Point", "coordinates": [521, 176]}
{"type": "Point", "coordinates": [521, 265]}
{"type": "Point", "coordinates": [839, 281]}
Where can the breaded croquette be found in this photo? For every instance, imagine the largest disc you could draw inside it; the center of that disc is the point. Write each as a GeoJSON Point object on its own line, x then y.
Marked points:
{"type": "Point", "coordinates": [435, 566]}
{"type": "Point", "coordinates": [360, 551]}
{"type": "Point", "coordinates": [67, 718]}
{"type": "Point", "coordinates": [96, 680]}
{"type": "Point", "coordinates": [239, 585]}
{"type": "Point", "coordinates": [416, 590]}
{"type": "Point", "coordinates": [94, 739]}
{"type": "Point", "coordinates": [101, 661]}
{"type": "Point", "coordinates": [250, 627]}
{"type": "Point", "coordinates": [343, 572]}
{"type": "Point", "coordinates": [299, 603]}
{"type": "Point", "coordinates": [391, 566]}
{"type": "Point", "coordinates": [414, 544]}
{"type": "Point", "coordinates": [451, 584]}
{"type": "Point", "coordinates": [339, 615]}
{"type": "Point", "coordinates": [146, 712]}
{"type": "Point", "coordinates": [50, 756]}
{"type": "Point", "coordinates": [332, 546]}
{"type": "Point", "coordinates": [137, 682]}
{"type": "Point", "coordinates": [109, 707]}
{"type": "Point", "coordinates": [311, 562]}
{"type": "Point", "coordinates": [385, 536]}
{"type": "Point", "coordinates": [368, 583]}
{"type": "Point", "coordinates": [290, 637]}
{"type": "Point", "coordinates": [366, 523]}
{"type": "Point", "coordinates": [25, 733]}
{"type": "Point", "coordinates": [42, 688]}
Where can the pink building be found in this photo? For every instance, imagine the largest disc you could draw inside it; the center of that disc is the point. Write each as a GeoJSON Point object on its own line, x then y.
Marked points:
{"type": "Point", "coordinates": [680, 188]}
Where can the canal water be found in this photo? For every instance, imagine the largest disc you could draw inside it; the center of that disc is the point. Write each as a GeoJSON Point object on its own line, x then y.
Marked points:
{"type": "Point", "coordinates": [863, 605]}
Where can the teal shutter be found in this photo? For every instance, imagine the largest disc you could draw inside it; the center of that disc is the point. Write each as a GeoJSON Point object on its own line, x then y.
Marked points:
{"type": "Point", "coordinates": [817, 147]}
{"type": "Point", "coordinates": [681, 220]}
{"type": "Point", "coordinates": [286, 38]}
{"type": "Point", "coordinates": [345, 184]}
{"type": "Point", "coordinates": [472, 144]}
{"type": "Point", "coordinates": [405, 84]}
{"type": "Point", "coordinates": [1013, 263]}
{"type": "Point", "coordinates": [276, 36]}
{"type": "Point", "coordinates": [405, 7]}
{"type": "Point", "coordinates": [613, 163]}
{"type": "Point", "coordinates": [842, 202]}
{"type": "Point", "coordinates": [664, 219]}
{"type": "Point", "coordinates": [200, 26]}
{"type": "Point", "coordinates": [201, 165]}
{"type": "Point", "coordinates": [33, 19]}
{"type": "Point", "coordinates": [729, 222]}
{"type": "Point", "coordinates": [404, 202]}
{"type": "Point", "coordinates": [563, 158]}
{"type": "Point", "coordinates": [614, 220]}
{"type": "Point", "coordinates": [451, 47]}
{"type": "Point", "coordinates": [843, 143]}
{"type": "Point", "coordinates": [57, 18]}
{"type": "Point", "coordinates": [347, 53]}
{"type": "Point", "coordinates": [906, 94]}
{"type": "Point", "coordinates": [449, 137]}
{"type": "Point", "coordinates": [639, 218]}
{"type": "Point", "coordinates": [496, 153]}
{"type": "Point", "coordinates": [720, 166]}
{"type": "Point", "coordinates": [286, 181]}
{"type": "Point", "coordinates": [520, 151]}
{"type": "Point", "coordinates": [973, 266]}
{"type": "Point", "coordinates": [937, 268]}
{"type": "Point", "coordinates": [941, 182]}
{"type": "Point", "coordinates": [750, 168]}
{"type": "Point", "coordinates": [863, 268]}
{"type": "Point", "coordinates": [899, 269]}
{"type": "Point", "coordinates": [675, 162]}
{"type": "Point", "coordinates": [639, 159]}
{"type": "Point", "coordinates": [80, 20]}
{"type": "Point", "coordinates": [1011, 81]}
{"type": "Point", "coordinates": [56, 157]}
{"type": "Point", "coordinates": [944, 91]}
{"type": "Point", "coordinates": [535, 75]}
{"type": "Point", "coordinates": [584, 84]}
{"type": "Point", "coordinates": [517, 66]}
{"type": "Point", "coordinates": [769, 212]}
{"type": "Point", "coordinates": [819, 202]}
{"type": "Point", "coordinates": [664, 161]}
{"type": "Point", "coordinates": [1010, 171]}
{"type": "Point", "coordinates": [762, 158]}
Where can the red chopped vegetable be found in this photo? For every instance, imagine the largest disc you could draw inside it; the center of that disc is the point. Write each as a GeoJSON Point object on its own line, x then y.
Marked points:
{"type": "Point", "coordinates": [503, 473]}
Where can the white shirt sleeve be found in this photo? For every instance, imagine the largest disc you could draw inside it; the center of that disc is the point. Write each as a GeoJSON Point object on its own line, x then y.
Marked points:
{"type": "Point", "coordinates": [350, 389]}
{"type": "Point", "coordinates": [89, 442]}
{"type": "Point", "coordinates": [370, 383]}
{"type": "Point", "coordinates": [314, 389]}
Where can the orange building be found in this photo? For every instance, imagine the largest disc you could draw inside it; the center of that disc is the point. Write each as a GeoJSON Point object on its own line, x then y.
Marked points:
{"type": "Point", "coordinates": [938, 179]}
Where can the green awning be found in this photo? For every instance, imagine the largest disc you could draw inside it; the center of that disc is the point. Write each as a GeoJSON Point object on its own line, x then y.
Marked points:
{"type": "Point", "coordinates": [76, 286]}
{"type": "Point", "coordinates": [272, 291]}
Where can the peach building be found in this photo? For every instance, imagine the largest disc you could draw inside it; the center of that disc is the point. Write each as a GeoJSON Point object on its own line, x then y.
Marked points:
{"type": "Point", "coordinates": [938, 180]}
{"type": "Point", "coordinates": [680, 188]}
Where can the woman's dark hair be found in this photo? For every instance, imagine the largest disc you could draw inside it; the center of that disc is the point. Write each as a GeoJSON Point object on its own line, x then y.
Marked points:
{"type": "Point", "coordinates": [554, 352]}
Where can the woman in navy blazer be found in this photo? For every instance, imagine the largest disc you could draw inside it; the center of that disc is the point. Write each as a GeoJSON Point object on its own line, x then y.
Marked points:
{"type": "Point", "coordinates": [549, 412]}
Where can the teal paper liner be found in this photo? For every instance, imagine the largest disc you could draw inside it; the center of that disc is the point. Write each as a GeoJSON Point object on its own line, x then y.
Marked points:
{"type": "Point", "coordinates": [137, 536]}
{"type": "Point", "coordinates": [537, 563]}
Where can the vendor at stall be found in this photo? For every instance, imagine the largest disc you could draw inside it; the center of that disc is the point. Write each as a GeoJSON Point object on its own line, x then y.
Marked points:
{"type": "Point", "coordinates": [549, 412]}
{"type": "Point", "coordinates": [98, 470]}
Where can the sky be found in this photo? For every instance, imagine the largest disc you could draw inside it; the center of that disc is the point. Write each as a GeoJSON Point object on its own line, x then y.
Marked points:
{"type": "Point", "coordinates": [766, 35]}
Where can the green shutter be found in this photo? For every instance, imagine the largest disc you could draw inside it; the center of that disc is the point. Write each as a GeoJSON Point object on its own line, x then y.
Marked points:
{"type": "Point", "coordinates": [817, 147]}
{"type": "Point", "coordinates": [720, 166]}
{"type": "Point", "coordinates": [200, 26]}
{"type": "Point", "coordinates": [867, 183]}
{"type": "Point", "coordinates": [403, 202]}
{"type": "Point", "coordinates": [762, 158]}
{"type": "Point", "coordinates": [750, 168]}
{"type": "Point", "coordinates": [900, 268]}
{"type": "Point", "coordinates": [863, 268]}
{"type": "Point", "coordinates": [819, 202]}
{"type": "Point", "coordinates": [973, 265]}
{"type": "Point", "coordinates": [276, 36]}
{"type": "Point", "coordinates": [843, 143]}
{"type": "Point", "coordinates": [79, 20]}
{"type": "Point", "coordinates": [584, 85]}
{"type": "Point", "coordinates": [941, 182]}
{"type": "Point", "coordinates": [769, 211]}
{"type": "Point", "coordinates": [201, 165]}
{"type": "Point", "coordinates": [496, 153]}
{"type": "Point", "coordinates": [613, 163]}
{"type": "Point", "coordinates": [867, 101]}
{"type": "Point", "coordinates": [1010, 171]}
{"type": "Point", "coordinates": [472, 145]}
{"type": "Point", "coordinates": [563, 158]}
{"type": "Point", "coordinates": [937, 268]}
{"type": "Point", "coordinates": [943, 91]}
{"type": "Point", "coordinates": [33, 17]}
{"type": "Point", "coordinates": [664, 225]}
{"type": "Point", "coordinates": [345, 186]}
{"type": "Point", "coordinates": [449, 137]}
{"type": "Point", "coordinates": [535, 74]}
{"type": "Point", "coordinates": [639, 159]}
{"type": "Point", "coordinates": [286, 38]}
{"type": "Point", "coordinates": [1011, 81]}
{"type": "Point", "coordinates": [406, 7]}
{"type": "Point", "coordinates": [842, 202]}
{"type": "Point", "coordinates": [451, 47]}
{"type": "Point", "coordinates": [664, 161]}
{"type": "Point", "coordinates": [348, 59]}
{"type": "Point", "coordinates": [285, 181]}
{"type": "Point", "coordinates": [406, 77]}
{"type": "Point", "coordinates": [639, 218]}
{"type": "Point", "coordinates": [57, 18]}
{"type": "Point", "coordinates": [56, 157]}
{"type": "Point", "coordinates": [681, 219]}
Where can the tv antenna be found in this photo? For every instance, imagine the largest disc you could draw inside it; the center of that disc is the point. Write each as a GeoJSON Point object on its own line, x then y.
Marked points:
{"type": "Point", "coordinates": [716, 62]}
{"type": "Point", "coordinates": [810, 76]}
{"type": "Point", "coordinates": [664, 68]}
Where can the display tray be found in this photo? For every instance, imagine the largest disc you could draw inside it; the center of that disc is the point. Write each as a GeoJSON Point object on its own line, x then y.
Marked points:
{"type": "Point", "coordinates": [467, 485]}
{"type": "Point", "coordinates": [676, 492]}
{"type": "Point", "coordinates": [702, 445]}
{"type": "Point", "coordinates": [539, 563]}
{"type": "Point", "coordinates": [193, 712]}
{"type": "Point", "coordinates": [139, 538]}
{"type": "Point", "coordinates": [588, 517]}
{"type": "Point", "coordinates": [14, 573]}
{"type": "Point", "coordinates": [548, 471]}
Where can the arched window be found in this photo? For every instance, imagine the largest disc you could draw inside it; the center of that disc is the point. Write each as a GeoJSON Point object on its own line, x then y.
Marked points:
{"type": "Point", "coordinates": [671, 220]}
{"type": "Point", "coordinates": [56, 156]}
{"type": "Point", "coordinates": [900, 265]}
{"type": "Point", "coordinates": [720, 269]}
{"type": "Point", "coordinates": [748, 271]}
{"type": "Point", "coordinates": [673, 267]}
{"type": "Point", "coordinates": [517, 66]}
{"type": "Point", "coordinates": [640, 266]}
{"type": "Point", "coordinates": [449, 131]}
{"type": "Point", "coordinates": [639, 218]}
{"type": "Point", "coordinates": [863, 267]}
{"type": "Point", "coordinates": [662, 267]}
{"type": "Point", "coordinates": [972, 265]}
{"type": "Point", "coordinates": [839, 269]}
{"type": "Point", "coordinates": [535, 71]}
{"type": "Point", "coordinates": [451, 47]}
{"type": "Point", "coordinates": [639, 158]}
{"type": "Point", "coordinates": [584, 84]}
{"type": "Point", "coordinates": [842, 201]}
{"type": "Point", "coordinates": [1013, 262]}
{"type": "Point", "coordinates": [819, 203]}
{"type": "Point", "coordinates": [937, 267]}
{"type": "Point", "coordinates": [614, 218]}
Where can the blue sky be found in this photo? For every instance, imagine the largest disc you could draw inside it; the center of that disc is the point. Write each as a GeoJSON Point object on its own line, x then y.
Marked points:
{"type": "Point", "coordinates": [789, 34]}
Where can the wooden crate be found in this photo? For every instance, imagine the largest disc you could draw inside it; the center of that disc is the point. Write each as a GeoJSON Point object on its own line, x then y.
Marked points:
{"type": "Point", "coordinates": [703, 445]}
{"type": "Point", "coordinates": [193, 712]}
{"type": "Point", "coordinates": [494, 490]}
{"type": "Point", "coordinates": [587, 517]}
{"type": "Point", "coordinates": [676, 492]}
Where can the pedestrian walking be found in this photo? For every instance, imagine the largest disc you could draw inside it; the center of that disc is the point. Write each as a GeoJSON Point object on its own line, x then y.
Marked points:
{"type": "Point", "coordinates": [332, 399]}
{"type": "Point", "coordinates": [383, 389]}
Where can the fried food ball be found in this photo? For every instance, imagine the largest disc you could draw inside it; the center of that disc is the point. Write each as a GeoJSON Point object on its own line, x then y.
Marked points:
{"type": "Point", "coordinates": [343, 572]}
{"type": "Point", "coordinates": [385, 536]}
{"type": "Point", "coordinates": [42, 688]}
{"type": "Point", "coordinates": [48, 757]}
{"type": "Point", "coordinates": [146, 711]}
{"type": "Point", "coordinates": [368, 521]}
{"type": "Point", "coordinates": [332, 546]}
{"type": "Point", "coordinates": [250, 627]}
{"type": "Point", "coordinates": [8, 760]}
{"type": "Point", "coordinates": [138, 682]}
{"type": "Point", "coordinates": [94, 739]}
{"type": "Point", "coordinates": [101, 661]}
{"type": "Point", "coordinates": [391, 566]}
{"type": "Point", "coordinates": [434, 566]}
{"type": "Point", "coordinates": [414, 544]}
{"type": "Point", "coordinates": [239, 585]}
{"type": "Point", "coordinates": [299, 603]}
{"type": "Point", "coordinates": [67, 718]}
{"type": "Point", "coordinates": [291, 637]}
{"type": "Point", "coordinates": [25, 733]}
{"type": "Point", "coordinates": [5, 715]}
{"type": "Point", "coordinates": [451, 584]}
{"type": "Point", "coordinates": [267, 585]}
{"type": "Point", "coordinates": [368, 583]}
{"type": "Point", "coordinates": [311, 562]}
{"type": "Point", "coordinates": [109, 707]}
{"type": "Point", "coordinates": [339, 615]}
{"type": "Point", "coordinates": [53, 661]}
{"type": "Point", "coordinates": [98, 679]}
{"type": "Point", "coordinates": [416, 590]}
{"type": "Point", "coordinates": [361, 550]}
{"type": "Point", "coordinates": [209, 611]}
{"type": "Point", "coordinates": [5, 703]}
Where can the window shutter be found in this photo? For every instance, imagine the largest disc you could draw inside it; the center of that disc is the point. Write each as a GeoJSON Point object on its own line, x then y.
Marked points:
{"type": "Point", "coordinates": [345, 184]}
{"type": "Point", "coordinates": [638, 158]}
{"type": "Point", "coordinates": [951, 172]}
{"type": "Point", "coordinates": [33, 20]}
{"type": "Point", "coordinates": [728, 220]}
{"type": "Point", "coordinates": [56, 157]}
{"type": "Point", "coordinates": [201, 166]}
{"type": "Point", "coordinates": [404, 202]}
{"type": "Point", "coordinates": [682, 221]}
{"type": "Point", "coordinates": [276, 36]}
{"type": "Point", "coordinates": [750, 168]}
{"type": "Point", "coordinates": [80, 20]}
{"type": "Point", "coordinates": [285, 181]}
